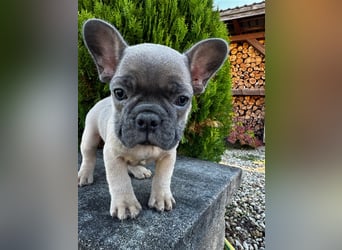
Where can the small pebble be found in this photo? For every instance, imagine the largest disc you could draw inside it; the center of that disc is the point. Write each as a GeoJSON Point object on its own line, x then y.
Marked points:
{"type": "Point", "coordinates": [238, 244]}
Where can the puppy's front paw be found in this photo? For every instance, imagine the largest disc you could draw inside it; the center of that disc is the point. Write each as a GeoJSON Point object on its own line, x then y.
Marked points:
{"type": "Point", "coordinates": [85, 177]}
{"type": "Point", "coordinates": [140, 172]}
{"type": "Point", "coordinates": [161, 200]}
{"type": "Point", "coordinates": [125, 208]}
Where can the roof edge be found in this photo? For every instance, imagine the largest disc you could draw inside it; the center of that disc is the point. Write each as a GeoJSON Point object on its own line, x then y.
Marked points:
{"type": "Point", "coordinates": [253, 9]}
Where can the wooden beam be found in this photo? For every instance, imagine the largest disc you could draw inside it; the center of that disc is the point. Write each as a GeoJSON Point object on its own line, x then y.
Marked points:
{"type": "Point", "coordinates": [244, 37]}
{"type": "Point", "coordinates": [257, 45]}
{"type": "Point", "coordinates": [259, 92]}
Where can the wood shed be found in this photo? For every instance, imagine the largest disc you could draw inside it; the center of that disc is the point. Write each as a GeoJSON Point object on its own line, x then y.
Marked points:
{"type": "Point", "coordinates": [246, 26]}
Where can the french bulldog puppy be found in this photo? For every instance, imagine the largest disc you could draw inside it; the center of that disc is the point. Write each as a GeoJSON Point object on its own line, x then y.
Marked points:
{"type": "Point", "coordinates": [144, 117]}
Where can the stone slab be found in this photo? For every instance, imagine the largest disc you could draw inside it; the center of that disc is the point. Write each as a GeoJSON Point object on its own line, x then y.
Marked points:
{"type": "Point", "coordinates": [201, 189]}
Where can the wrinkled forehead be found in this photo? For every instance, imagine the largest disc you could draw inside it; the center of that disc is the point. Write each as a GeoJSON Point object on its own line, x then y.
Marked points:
{"type": "Point", "coordinates": [152, 63]}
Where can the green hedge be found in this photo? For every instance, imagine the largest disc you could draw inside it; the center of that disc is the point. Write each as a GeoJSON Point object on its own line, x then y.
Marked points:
{"type": "Point", "coordinates": [178, 24]}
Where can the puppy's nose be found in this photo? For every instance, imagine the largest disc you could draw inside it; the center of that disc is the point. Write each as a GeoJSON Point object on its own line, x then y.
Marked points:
{"type": "Point", "coordinates": [147, 121]}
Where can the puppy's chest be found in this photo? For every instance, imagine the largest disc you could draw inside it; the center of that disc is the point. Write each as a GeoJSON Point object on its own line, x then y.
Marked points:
{"type": "Point", "coordinates": [142, 155]}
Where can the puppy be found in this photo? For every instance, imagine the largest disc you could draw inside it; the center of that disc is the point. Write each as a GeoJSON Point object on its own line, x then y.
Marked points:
{"type": "Point", "coordinates": [144, 117]}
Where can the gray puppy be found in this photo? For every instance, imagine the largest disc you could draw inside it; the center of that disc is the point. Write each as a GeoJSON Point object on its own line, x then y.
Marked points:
{"type": "Point", "coordinates": [143, 120]}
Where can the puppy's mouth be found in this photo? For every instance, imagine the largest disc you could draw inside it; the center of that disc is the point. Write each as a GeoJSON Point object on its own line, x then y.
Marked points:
{"type": "Point", "coordinates": [131, 138]}
{"type": "Point", "coordinates": [149, 140]}
{"type": "Point", "coordinates": [147, 143]}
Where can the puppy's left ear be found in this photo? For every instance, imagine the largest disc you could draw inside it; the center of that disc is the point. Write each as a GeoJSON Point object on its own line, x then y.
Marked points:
{"type": "Point", "coordinates": [205, 58]}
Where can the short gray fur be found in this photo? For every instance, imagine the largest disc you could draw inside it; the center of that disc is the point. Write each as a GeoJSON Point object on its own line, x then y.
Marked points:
{"type": "Point", "coordinates": [201, 189]}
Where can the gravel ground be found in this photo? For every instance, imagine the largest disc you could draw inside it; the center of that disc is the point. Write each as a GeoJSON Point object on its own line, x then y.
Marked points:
{"type": "Point", "coordinates": [245, 216]}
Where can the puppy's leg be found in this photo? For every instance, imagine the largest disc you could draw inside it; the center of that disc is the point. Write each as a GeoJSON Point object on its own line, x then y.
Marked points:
{"type": "Point", "coordinates": [89, 143]}
{"type": "Point", "coordinates": [161, 197]}
{"type": "Point", "coordinates": [139, 171]}
{"type": "Point", "coordinates": [123, 203]}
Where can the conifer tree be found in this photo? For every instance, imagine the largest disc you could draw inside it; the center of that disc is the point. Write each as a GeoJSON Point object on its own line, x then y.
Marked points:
{"type": "Point", "coordinates": [178, 24]}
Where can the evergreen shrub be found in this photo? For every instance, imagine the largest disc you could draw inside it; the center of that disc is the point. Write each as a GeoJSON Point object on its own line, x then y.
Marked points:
{"type": "Point", "coordinates": [177, 24]}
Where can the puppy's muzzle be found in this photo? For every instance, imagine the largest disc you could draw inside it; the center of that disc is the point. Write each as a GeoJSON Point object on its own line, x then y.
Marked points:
{"type": "Point", "coordinates": [147, 122]}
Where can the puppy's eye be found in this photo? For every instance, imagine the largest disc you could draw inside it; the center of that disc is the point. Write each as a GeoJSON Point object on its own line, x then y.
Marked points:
{"type": "Point", "coordinates": [120, 94]}
{"type": "Point", "coordinates": [182, 100]}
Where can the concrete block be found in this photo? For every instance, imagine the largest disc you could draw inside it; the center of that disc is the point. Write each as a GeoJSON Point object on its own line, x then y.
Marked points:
{"type": "Point", "coordinates": [201, 189]}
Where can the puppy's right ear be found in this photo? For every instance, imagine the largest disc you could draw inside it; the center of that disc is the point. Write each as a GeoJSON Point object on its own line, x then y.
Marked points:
{"type": "Point", "coordinates": [105, 45]}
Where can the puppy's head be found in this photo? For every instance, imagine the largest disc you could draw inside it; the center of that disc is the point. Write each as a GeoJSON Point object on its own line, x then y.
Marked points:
{"type": "Point", "coordinates": [151, 85]}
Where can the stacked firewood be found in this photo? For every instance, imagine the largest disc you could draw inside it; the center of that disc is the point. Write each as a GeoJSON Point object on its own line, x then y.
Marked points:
{"type": "Point", "coordinates": [248, 73]}
{"type": "Point", "coordinates": [250, 110]}
{"type": "Point", "coordinates": [248, 66]}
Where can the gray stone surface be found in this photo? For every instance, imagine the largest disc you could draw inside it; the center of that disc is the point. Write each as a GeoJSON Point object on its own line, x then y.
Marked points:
{"type": "Point", "coordinates": [201, 189]}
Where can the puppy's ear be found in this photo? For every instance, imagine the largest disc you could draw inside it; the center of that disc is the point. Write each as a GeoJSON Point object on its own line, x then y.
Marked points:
{"type": "Point", "coordinates": [106, 46]}
{"type": "Point", "coordinates": [205, 58]}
